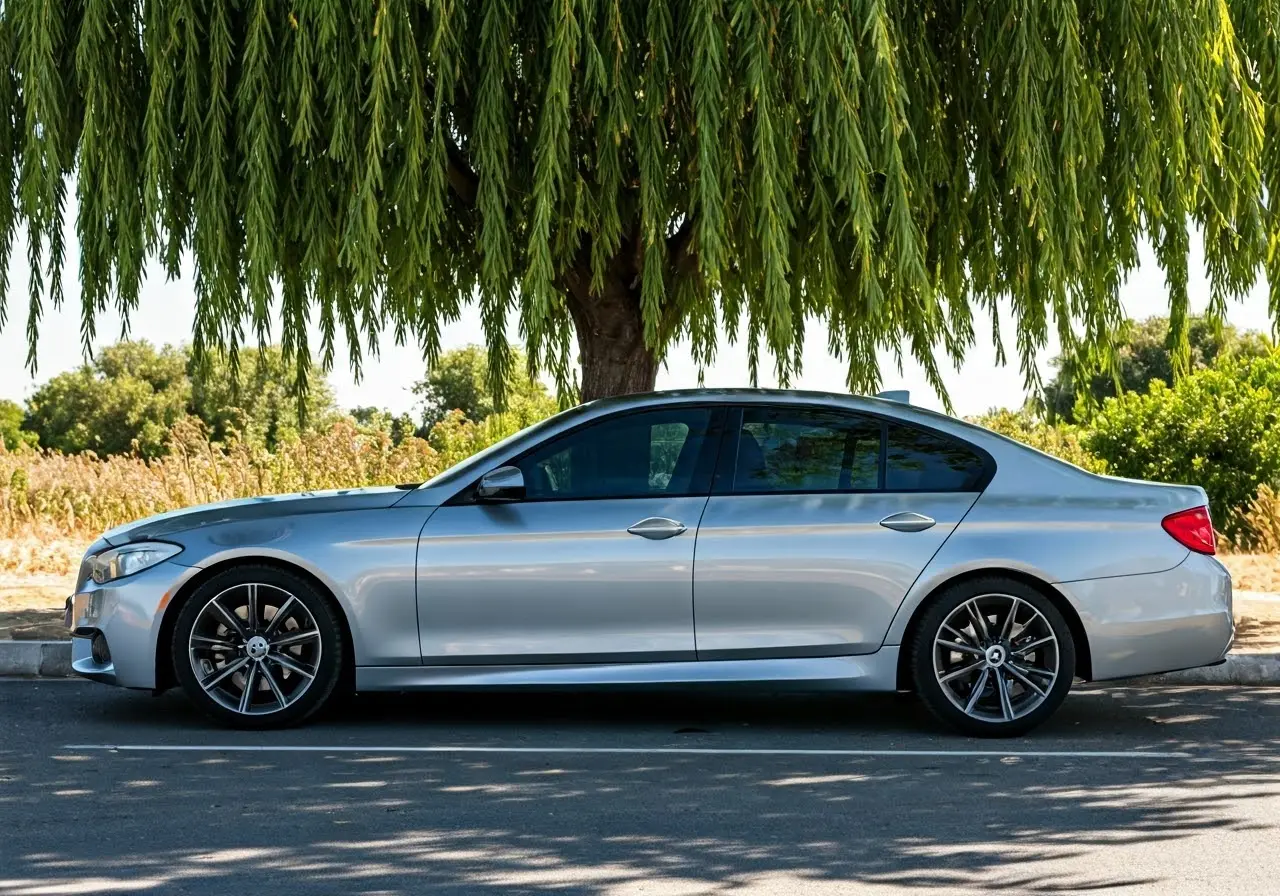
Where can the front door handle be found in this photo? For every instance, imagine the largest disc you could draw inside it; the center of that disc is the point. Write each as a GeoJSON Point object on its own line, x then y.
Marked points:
{"type": "Point", "coordinates": [656, 528]}
{"type": "Point", "coordinates": [908, 522]}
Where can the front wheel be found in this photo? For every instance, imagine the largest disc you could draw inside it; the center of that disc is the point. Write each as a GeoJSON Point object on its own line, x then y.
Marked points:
{"type": "Point", "coordinates": [257, 647]}
{"type": "Point", "coordinates": [993, 657]}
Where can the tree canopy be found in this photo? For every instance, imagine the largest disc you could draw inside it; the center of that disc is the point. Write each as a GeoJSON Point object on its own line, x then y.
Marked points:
{"type": "Point", "coordinates": [128, 397]}
{"type": "Point", "coordinates": [132, 394]}
{"type": "Point", "coordinates": [1144, 354]}
{"type": "Point", "coordinates": [254, 397]}
{"type": "Point", "coordinates": [458, 381]}
{"type": "Point", "coordinates": [373, 419]}
{"type": "Point", "coordinates": [12, 436]}
{"type": "Point", "coordinates": [640, 172]}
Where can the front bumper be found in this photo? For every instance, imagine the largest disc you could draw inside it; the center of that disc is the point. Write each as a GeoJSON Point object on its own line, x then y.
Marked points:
{"type": "Point", "coordinates": [1142, 625]}
{"type": "Point", "coordinates": [128, 613]}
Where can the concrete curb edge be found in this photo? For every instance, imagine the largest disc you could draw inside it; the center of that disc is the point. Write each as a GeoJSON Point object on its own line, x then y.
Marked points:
{"type": "Point", "coordinates": [52, 659]}
{"type": "Point", "coordinates": [47, 659]}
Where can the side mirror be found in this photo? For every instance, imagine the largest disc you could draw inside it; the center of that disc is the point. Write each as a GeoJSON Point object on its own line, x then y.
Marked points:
{"type": "Point", "coordinates": [502, 484]}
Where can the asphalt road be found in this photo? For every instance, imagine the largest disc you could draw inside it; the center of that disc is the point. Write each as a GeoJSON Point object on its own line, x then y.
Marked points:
{"type": "Point", "coordinates": [657, 794]}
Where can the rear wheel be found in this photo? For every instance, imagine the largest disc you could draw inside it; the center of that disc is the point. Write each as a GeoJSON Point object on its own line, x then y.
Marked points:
{"type": "Point", "coordinates": [258, 647]}
{"type": "Point", "coordinates": [993, 657]}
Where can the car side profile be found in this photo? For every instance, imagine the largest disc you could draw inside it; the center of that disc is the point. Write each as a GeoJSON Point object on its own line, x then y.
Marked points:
{"type": "Point", "coordinates": [695, 537]}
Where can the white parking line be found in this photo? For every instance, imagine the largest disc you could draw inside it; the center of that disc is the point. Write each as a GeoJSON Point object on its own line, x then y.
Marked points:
{"type": "Point", "coordinates": [637, 751]}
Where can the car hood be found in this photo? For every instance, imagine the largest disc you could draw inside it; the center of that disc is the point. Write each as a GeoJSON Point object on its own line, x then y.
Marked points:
{"type": "Point", "coordinates": [265, 507]}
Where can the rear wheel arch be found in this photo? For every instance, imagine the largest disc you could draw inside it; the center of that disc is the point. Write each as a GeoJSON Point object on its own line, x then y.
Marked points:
{"type": "Point", "coordinates": [164, 677]}
{"type": "Point", "coordinates": [1084, 662]}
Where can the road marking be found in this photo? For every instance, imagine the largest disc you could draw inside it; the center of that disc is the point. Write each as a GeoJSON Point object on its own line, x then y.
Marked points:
{"type": "Point", "coordinates": [627, 751]}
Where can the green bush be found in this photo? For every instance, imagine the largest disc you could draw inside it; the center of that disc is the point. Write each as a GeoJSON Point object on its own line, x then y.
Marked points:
{"type": "Point", "coordinates": [1062, 440]}
{"type": "Point", "coordinates": [12, 436]}
{"type": "Point", "coordinates": [1216, 428]}
{"type": "Point", "coordinates": [1143, 354]}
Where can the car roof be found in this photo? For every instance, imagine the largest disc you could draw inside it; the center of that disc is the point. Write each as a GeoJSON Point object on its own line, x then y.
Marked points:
{"type": "Point", "coordinates": [735, 396]}
{"type": "Point", "coordinates": [873, 404]}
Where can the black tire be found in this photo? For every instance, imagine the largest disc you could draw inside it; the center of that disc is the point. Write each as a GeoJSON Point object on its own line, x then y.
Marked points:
{"type": "Point", "coordinates": [279, 696]}
{"type": "Point", "coordinates": [988, 595]}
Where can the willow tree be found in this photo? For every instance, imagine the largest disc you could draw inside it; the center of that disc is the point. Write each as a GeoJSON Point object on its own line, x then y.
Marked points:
{"type": "Point", "coordinates": [639, 172]}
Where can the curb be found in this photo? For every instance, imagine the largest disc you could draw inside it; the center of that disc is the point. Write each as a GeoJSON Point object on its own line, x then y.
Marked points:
{"type": "Point", "coordinates": [48, 659]}
{"type": "Point", "coordinates": [52, 659]}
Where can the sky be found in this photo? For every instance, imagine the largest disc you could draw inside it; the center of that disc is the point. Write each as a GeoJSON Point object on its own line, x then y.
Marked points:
{"type": "Point", "coordinates": [166, 310]}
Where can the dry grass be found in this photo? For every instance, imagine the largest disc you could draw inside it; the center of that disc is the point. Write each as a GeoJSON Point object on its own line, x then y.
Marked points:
{"type": "Point", "coordinates": [69, 495]}
{"type": "Point", "coordinates": [1253, 572]}
{"type": "Point", "coordinates": [42, 553]}
{"type": "Point", "coordinates": [1262, 522]}
{"type": "Point", "coordinates": [52, 506]}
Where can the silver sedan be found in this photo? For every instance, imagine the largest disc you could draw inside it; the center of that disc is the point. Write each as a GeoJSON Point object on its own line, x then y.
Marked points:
{"type": "Point", "coordinates": [697, 537]}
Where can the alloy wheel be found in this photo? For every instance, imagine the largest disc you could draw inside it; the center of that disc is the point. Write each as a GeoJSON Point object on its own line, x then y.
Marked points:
{"type": "Point", "coordinates": [255, 648]}
{"type": "Point", "coordinates": [996, 657]}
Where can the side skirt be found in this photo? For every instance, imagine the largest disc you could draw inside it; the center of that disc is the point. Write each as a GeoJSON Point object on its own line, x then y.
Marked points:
{"type": "Point", "coordinates": [868, 672]}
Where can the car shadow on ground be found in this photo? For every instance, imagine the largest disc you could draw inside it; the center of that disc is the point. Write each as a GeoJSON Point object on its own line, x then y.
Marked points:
{"type": "Point", "coordinates": [608, 823]}
{"type": "Point", "coordinates": [1117, 716]}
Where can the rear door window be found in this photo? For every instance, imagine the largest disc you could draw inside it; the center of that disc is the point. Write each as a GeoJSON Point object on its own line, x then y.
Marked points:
{"type": "Point", "coordinates": [806, 450]}
{"type": "Point", "coordinates": [919, 460]}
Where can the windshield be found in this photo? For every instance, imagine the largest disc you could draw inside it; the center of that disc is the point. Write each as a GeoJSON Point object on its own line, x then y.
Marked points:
{"type": "Point", "coordinates": [472, 464]}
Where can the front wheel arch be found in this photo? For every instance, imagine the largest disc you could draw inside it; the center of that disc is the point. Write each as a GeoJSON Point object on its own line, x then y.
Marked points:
{"type": "Point", "coordinates": [164, 676]}
{"type": "Point", "coordinates": [1084, 661]}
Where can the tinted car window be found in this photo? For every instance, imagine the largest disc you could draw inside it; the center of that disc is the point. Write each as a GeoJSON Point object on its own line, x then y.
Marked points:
{"type": "Point", "coordinates": [629, 456]}
{"type": "Point", "coordinates": [928, 461]}
{"type": "Point", "coordinates": [785, 450]}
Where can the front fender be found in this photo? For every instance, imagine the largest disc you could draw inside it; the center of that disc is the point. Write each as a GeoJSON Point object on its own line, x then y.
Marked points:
{"type": "Point", "coordinates": [364, 558]}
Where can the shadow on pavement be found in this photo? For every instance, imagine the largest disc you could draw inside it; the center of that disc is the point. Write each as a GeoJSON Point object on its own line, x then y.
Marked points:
{"type": "Point", "coordinates": [613, 824]}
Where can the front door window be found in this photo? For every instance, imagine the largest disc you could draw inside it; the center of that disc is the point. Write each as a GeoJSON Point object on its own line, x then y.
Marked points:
{"type": "Point", "coordinates": [643, 455]}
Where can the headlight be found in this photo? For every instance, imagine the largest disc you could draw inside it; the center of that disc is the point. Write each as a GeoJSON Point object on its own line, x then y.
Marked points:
{"type": "Point", "coordinates": [117, 563]}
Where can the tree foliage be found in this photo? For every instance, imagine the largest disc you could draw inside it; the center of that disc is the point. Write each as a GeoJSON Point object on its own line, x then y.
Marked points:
{"type": "Point", "coordinates": [459, 381]}
{"type": "Point", "coordinates": [12, 436]}
{"type": "Point", "coordinates": [127, 398]}
{"type": "Point", "coordinates": [132, 394]}
{"type": "Point", "coordinates": [643, 171]}
{"type": "Point", "coordinates": [371, 419]}
{"type": "Point", "coordinates": [255, 398]}
{"type": "Point", "coordinates": [1144, 353]}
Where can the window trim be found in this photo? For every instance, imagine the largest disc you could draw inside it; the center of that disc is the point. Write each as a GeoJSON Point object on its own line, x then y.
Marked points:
{"type": "Point", "coordinates": [716, 436]}
{"type": "Point", "coordinates": [726, 459]}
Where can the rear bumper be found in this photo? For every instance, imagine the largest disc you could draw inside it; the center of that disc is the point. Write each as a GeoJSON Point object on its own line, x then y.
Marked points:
{"type": "Point", "coordinates": [1141, 625]}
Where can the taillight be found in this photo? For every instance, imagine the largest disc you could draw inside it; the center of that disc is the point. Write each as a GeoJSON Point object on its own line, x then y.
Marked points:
{"type": "Point", "coordinates": [1192, 529]}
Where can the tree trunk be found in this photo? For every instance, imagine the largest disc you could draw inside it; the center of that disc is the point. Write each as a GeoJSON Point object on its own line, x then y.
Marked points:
{"type": "Point", "coordinates": [615, 359]}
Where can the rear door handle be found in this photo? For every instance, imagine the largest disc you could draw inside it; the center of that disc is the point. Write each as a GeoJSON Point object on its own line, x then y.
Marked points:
{"type": "Point", "coordinates": [908, 522]}
{"type": "Point", "coordinates": [656, 528]}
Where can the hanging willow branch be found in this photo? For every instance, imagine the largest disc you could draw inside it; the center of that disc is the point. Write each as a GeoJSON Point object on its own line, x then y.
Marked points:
{"type": "Point", "coordinates": [643, 171]}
